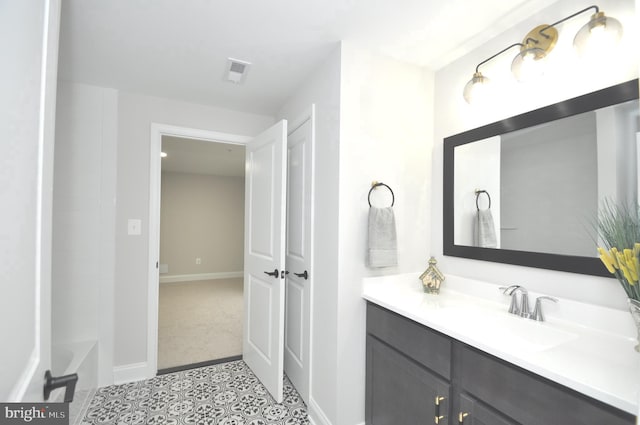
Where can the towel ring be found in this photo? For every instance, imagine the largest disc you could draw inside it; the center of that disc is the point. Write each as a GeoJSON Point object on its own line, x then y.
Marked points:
{"type": "Point", "coordinates": [478, 192]}
{"type": "Point", "coordinates": [376, 184]}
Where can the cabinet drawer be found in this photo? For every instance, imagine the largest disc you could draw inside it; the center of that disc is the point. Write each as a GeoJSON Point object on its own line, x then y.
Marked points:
{"type": "Point", "coordinates": [528, 398]}
{"type": "Point", "coordinates": [427, 347]}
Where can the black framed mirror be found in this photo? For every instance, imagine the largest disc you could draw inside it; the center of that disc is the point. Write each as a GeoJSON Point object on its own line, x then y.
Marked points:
{"type": "Point", "coordinates": [546, 172]}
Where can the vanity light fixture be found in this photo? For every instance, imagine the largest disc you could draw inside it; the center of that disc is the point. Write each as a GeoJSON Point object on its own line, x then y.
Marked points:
{"type": "Point", "coordinates": [599, 34]}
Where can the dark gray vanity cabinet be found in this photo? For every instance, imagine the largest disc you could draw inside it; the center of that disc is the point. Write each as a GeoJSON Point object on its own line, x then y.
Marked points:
{"type": "Point", "coordinates": [403, 392]}
{"type": "Point", "coordinates": [525, 397]}
{"type": "Point", "coordinates": [407, 382]}
{"type": "Point", "coordinates": [416, 376]}
{"type": "Point", "coordinates": [473, 412]}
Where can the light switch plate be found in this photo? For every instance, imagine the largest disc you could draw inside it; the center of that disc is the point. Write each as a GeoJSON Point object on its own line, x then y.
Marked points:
{"type": "Point", "coordinates": [134, 227]}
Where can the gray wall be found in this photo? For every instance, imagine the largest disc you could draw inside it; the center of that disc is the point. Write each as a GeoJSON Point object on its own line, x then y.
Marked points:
{"type": "Point", "coordinates": [549, 181]}
{"type": "Point", "coordinates": [201, 216]}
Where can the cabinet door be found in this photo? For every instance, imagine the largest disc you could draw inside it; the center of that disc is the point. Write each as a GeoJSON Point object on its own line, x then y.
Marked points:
{"type": "Point", "coordinates": [401, 392]}
{"type": "Point", "coordinates": [528, 398]}
{"type": "Point", "coordinates": [472, 412]}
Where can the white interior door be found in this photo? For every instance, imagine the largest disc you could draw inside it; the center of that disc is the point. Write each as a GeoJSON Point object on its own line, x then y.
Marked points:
{"type": "Point", "coordinates": [298, 282]}
{"type": "Point", "coordinates": [265, 202]}
{"type": "Point", "coordinates": [27, 118]}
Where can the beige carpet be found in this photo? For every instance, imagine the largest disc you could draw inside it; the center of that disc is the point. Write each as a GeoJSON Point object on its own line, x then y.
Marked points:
{"type": "Point", "coordinates": [199, 321]}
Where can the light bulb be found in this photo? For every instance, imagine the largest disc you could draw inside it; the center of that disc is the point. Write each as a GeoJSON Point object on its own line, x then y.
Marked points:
{"type": "Point", "coordinates": [477, 89]}
{"type": "Point", "coordinates": [528, 64]}
{"type": "Point", "coordinates": [598, 36]}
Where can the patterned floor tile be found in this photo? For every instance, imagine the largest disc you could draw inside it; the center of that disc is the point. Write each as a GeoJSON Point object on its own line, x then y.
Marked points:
{"type": "Point", "coordinates": [222, 394]}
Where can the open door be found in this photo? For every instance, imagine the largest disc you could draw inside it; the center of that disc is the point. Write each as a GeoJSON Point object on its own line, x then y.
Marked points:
{"type": "Point", "coordinates": [264, 257]}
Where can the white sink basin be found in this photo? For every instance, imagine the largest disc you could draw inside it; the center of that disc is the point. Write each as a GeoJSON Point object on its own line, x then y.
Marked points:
{"type": "Point", "coordinates": [493, 325]}
{"type": "Point", "coordinates": [524, 334]}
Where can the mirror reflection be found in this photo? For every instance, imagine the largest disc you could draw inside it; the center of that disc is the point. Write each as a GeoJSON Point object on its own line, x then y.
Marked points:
{"type": "Point", "coordinates": [538, 189]}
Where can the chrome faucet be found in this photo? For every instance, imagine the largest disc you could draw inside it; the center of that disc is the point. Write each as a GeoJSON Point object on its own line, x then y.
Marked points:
{"type": "Point", "coordinates": [519, 309]}
{"type": "Point", "coordinates": [524, 303]}
{"type": "Point", "coordinates": [522, 308]}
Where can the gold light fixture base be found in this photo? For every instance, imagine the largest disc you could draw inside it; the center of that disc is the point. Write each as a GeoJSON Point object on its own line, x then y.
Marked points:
{"type": "Point", "coordinates": [543, 43]}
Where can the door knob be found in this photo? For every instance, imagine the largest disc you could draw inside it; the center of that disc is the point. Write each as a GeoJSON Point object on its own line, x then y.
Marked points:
{"type": "Point", "coordinates": [67, 381]}
{"type": "Point", "coordinates": [304, 274]}
{"type": "Point", "coordinates": [274, 273]}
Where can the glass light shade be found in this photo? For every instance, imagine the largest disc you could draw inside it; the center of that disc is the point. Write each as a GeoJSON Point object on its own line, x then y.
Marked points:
{"type": "Point", "coordinates": [477, 89]}
{"type": "Point", "coordinates": [528, 64]}
{"type": "Point", "coordinates": [599, 35]}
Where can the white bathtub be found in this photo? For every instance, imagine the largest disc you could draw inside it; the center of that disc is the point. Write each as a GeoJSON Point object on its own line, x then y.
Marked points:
{"type": "Point", "coordinates": [75, 357]}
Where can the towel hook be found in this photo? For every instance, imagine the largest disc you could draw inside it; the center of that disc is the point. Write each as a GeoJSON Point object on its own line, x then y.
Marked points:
{"type": "Point", "coordinates": [376, 184]}
{"type": "Point", "coordinates": [478, 192]}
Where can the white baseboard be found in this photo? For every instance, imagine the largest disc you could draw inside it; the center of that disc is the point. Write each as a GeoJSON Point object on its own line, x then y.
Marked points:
{"type": "Point", "coordinates": [130, 373]}
{"type": "Point", "coordinates": [178, 278]}
{"type": "Point", "coordinates": [316, 414]}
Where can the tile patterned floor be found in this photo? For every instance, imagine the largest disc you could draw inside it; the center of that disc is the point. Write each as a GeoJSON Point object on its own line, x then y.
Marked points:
{"type": "Point", "coordinates": [222, 394]}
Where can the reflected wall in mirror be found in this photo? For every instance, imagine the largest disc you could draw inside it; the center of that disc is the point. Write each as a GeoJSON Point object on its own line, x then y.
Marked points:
{"type": "Point", "coordinates": [545, 172]}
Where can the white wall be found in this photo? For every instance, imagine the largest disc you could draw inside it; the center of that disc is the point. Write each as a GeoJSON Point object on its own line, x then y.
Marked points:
{"type": "Point", "coordinates": [382, 110]}
{"type": "Point", "coordinates": [201, 216]}
{"type": "Point", "coordinates": [564, 79]}
{"type": "Point", "coordinates": [84, 219]}
{"type": "Point", "coordinates": [386, 128]}
{"type": "Point", "coordinates": [323, 89]}
{"type": "Point", "coordinates": [135, 115]}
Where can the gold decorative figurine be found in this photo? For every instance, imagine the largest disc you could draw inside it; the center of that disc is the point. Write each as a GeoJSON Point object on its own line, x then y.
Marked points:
{"type": "Point", "coordinates": [432, 278]}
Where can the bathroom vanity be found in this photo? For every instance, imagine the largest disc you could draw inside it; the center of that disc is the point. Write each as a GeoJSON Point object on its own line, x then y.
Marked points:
{"type": "Point", "coordinates": [461, 359]}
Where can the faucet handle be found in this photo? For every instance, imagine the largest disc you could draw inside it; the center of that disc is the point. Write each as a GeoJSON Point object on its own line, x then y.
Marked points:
{"type": "Point", "coordinates": [508, 290]}
{"type": "Point", "coordinates": [537, 311]}
{"type": "Point", "coordinates": [511, 290]}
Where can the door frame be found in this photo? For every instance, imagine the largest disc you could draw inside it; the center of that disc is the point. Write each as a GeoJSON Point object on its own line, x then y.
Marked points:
{"type": "Point", "coordinates": [157, 131]}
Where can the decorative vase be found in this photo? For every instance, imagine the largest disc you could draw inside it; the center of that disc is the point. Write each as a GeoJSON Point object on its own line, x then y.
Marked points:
{"type": "Point", "coordinates": [634, 308]}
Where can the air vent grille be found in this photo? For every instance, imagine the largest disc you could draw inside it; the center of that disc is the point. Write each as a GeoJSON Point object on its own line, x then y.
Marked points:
{"type": "Point", "coordinates": [236, 71]}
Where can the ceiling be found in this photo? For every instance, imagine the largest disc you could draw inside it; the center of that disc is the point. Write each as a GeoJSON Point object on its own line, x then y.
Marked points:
{"type": "Point", "coordinates": [202, 157]}
{"type": "Point", "coordinates": [179, 49]}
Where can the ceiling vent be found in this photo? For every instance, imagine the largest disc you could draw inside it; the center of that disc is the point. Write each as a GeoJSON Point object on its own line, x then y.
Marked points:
{"type": "Point", "coordinates": [236, 70]}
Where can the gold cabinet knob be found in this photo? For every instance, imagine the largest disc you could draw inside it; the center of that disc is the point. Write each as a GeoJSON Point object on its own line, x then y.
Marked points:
{"type": "Point", "coordinates": [461, 417]}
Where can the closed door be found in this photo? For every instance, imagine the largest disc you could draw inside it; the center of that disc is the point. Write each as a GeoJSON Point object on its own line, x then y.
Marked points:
{"type": "Point", "coordinates": [298, 282]}
{"type": "Point", "coordinates": [265, 201]}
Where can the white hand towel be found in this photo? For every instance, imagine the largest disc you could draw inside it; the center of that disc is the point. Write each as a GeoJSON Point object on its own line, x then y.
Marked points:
{"type": "Point", "coordinates": [485, 233]}
{"type": "Point", "coordinates": [383, 250]}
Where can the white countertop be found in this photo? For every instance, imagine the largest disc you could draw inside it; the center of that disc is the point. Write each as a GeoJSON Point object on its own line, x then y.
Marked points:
{"type": "Point", "coordinates": [584, 347]}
